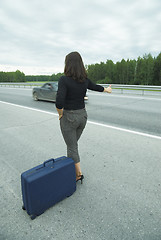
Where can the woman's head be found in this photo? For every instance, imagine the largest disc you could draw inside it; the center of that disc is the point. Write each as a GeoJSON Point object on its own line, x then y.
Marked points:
{"type": "Point", "coordinates": [74, 67]}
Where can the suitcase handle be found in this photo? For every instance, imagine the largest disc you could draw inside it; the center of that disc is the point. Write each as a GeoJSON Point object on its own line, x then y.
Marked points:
{"type": "Point", "coordinates": [50, 160]}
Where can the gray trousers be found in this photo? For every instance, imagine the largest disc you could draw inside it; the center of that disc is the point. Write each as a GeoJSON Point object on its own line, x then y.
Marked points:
{"type": "Point", "coordinates": [72, 124]}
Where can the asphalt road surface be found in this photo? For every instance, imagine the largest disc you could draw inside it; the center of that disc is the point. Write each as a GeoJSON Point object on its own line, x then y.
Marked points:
{"type": "Point", "coordinates": [139, 113]}
{"type": "Point", "coordinates": [120, 152]}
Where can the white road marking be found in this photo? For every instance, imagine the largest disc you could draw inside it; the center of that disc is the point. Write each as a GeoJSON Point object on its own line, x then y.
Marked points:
{"type": "Point", "coordinates": [29, 108]}
{"type": "Point", "coordinates": [90, 122]}
{"type": "Point", "coordinates": [125, 130]}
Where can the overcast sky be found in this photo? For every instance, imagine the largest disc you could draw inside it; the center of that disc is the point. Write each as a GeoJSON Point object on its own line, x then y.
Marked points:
{"type": "Point", "coordinates": [36, 35]}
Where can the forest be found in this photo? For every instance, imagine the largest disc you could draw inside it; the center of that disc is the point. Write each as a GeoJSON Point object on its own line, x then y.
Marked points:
{"type": "Point", "coordinates": [145, 70]}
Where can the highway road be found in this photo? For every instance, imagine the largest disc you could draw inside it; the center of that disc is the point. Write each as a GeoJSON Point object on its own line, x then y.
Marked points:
{"type": "Point", "coordinates": [120, 152]}
{"type": "Point", "coordinates": [137, 113]}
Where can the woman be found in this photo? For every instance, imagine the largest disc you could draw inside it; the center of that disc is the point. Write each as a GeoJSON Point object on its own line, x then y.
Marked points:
{"type": "Point", "coordinates": [71, 107]}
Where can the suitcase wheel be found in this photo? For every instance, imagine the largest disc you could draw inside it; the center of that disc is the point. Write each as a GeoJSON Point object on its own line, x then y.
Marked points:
{"type": "Point", "coordinates": [33, 217]}
{"type": "Point", "coordinates": [23, 207]}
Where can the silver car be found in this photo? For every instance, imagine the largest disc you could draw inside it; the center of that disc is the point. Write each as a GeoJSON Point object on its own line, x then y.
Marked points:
{"type": "Point", "coordinates": [47, 92]}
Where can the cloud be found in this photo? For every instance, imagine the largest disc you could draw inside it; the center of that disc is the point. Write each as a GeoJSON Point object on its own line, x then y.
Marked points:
{"type": "Point", "coordinates": [37, 35]}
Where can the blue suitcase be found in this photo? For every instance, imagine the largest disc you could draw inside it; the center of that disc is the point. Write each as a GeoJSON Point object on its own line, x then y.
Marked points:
{"type": "Point", "coordinates": [45, 185]}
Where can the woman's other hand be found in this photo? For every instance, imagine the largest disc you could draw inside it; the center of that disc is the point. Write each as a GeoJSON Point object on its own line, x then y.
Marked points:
{"type": "Point", "coordinates": [60, 116]}
{"type": "Point", "coordinates": [60, 112]}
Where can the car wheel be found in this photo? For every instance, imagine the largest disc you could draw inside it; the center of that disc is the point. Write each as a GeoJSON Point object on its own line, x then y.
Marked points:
{"type": "Point", "coordinates": [35, 97]}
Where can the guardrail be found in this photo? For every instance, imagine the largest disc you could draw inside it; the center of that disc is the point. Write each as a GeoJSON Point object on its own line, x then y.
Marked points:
{"type": "Point", "coordinates": [139, 88]}
{"type": "Point", "coordinates": [21, 85]}
{"type": "Point", "coordinates": [119, 88]}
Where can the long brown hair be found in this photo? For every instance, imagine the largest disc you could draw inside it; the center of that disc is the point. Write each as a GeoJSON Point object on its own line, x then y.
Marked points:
{"type": "Point", "coordinates": [74, 67]}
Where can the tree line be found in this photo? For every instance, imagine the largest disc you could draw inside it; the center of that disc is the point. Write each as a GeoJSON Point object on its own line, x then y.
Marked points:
{"type": "Point", "coordinates": [145, 70]}
{"type": "Point", "coordinates": [12, 76]}
{"type": "Point", "coordinates": [20, 77]}
{"type": "Point", "coordinates": [44, 78]}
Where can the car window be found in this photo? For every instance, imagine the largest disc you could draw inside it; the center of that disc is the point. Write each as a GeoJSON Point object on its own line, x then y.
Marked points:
{"type": "Point", "coordinates": [47, 86]}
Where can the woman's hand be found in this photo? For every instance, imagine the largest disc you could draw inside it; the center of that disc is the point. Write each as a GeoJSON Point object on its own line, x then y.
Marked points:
{"type": "Point", "coordinates": [60, 116]}
{"type": "Point", "coordinates": [60, 112]}
{"type": "Point", "coordinates": [108, 89]}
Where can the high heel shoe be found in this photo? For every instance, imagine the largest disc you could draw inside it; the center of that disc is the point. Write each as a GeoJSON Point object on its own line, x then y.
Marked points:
{"type": "Point", "coordinates": [80, 179]}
